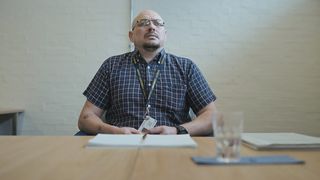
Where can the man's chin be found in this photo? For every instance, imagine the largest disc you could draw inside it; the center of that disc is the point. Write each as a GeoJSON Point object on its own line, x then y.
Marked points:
{"type": "Point", "coordinates": [151, 47]}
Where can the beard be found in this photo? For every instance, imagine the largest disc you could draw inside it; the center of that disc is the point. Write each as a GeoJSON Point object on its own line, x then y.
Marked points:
{"type": "Point", "coordinates": [150, 47]}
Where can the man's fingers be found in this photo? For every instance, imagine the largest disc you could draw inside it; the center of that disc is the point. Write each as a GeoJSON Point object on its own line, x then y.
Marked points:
{"type": "Point", "coordinates": [155, 130]}
{"type": "Point", "coordinates": [134, 131]}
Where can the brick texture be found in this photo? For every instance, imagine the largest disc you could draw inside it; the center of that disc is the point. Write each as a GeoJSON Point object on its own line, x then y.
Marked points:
{"type": "Point", "coordinates": [260, 57]}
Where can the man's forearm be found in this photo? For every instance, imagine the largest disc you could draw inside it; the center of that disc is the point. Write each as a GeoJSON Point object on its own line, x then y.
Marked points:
{"type": "Point", "coordinates": [92, 124]}
{"type": "Point", "coordinates": [202, 124]}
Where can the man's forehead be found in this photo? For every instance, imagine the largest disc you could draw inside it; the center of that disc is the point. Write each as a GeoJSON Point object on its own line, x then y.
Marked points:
{"type": "Point", "coordinates": [148, 15]}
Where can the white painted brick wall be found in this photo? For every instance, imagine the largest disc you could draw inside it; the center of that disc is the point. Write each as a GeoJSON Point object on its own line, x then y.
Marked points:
{"type": "Point", "coordinates": [261, 57]}
{"type": "Point", "coordinates": [50, 50]}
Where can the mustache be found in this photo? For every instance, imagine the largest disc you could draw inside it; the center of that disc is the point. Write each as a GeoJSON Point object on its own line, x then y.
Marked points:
{"type": "Point", "coordinates": [151, 34]}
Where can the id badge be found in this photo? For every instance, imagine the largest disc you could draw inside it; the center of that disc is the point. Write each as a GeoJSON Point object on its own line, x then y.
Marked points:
{"type": "Point", "coordinates": [147, 123]}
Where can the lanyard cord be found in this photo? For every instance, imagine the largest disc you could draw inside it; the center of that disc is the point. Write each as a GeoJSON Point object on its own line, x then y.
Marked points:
{"type": "Point", "coordinates": [142, 85]}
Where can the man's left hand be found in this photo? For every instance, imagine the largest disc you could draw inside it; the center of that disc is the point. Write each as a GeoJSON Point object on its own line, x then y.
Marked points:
{"type": "Point", "coordinates": [163, 130]}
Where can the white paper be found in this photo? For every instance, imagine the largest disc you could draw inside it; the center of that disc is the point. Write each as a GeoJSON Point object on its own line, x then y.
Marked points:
{"type": "Point", "coordinates": [280, 140]}
{"type": "Point", "coordinates": [135, 140]}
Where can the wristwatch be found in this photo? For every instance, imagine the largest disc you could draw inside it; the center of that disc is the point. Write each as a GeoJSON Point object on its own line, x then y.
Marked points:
{"type": "Point", "coordinates": [181, 130]}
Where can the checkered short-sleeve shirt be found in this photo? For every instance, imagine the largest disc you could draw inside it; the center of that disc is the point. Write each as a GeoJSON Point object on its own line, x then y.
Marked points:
{"type": "Point", "coordinates": [180, 86]}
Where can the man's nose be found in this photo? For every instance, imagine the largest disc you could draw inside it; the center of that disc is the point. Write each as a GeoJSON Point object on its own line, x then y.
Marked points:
{"type": "Point", "coordinates": [151, 27]}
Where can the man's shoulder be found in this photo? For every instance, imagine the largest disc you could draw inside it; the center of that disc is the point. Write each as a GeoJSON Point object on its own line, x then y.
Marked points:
{"type": "Point", "coordinates": [179, 58]}
{"type": "Point", "coordinates": [120, 57]}
{"type": "Point", "coordinates": [172, 58]}
{"type": "Point", "coordinates": [118, 60]}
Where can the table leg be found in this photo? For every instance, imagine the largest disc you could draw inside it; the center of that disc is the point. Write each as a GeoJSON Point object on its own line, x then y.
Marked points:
{"type": "Point", "coordinates": [14, 123]}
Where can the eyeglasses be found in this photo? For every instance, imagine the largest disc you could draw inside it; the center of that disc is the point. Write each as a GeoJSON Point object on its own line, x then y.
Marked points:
{"type": "Point", "coordinates": [147, 22]}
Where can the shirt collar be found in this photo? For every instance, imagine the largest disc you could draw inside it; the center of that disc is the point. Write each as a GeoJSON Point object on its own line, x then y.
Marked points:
{"type": "Point", "coordinates": [156, 59]}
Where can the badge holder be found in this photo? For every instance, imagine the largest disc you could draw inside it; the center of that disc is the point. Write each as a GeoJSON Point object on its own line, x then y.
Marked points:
{"type": "Point", "coordinates": [148, 121]}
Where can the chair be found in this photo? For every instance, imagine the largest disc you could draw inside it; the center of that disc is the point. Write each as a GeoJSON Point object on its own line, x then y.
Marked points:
{"type": "Point", "coordinates": [81, 133]}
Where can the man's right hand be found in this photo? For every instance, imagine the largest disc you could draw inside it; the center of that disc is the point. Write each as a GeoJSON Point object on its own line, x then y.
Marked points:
{"type": "Point", "coordinates": [126, 130]}
{"type": "Point", "coordinates": [90, 122]}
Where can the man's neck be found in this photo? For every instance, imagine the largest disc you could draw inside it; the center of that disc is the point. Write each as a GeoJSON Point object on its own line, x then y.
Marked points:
{"type": "Point", "coordinates": [147, 55]}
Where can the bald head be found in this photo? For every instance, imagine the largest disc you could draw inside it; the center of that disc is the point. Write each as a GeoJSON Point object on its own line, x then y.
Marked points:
{"type": "Point", "coordinates": [148, 33]}
{"type": "Point", "coordinates": [145, 14]}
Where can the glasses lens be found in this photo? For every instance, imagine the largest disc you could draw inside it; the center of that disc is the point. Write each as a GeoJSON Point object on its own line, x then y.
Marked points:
{"type": "Point", "coordinates": [143, 22]}
{"type": "Point", "coordinates": [157, 22]}
{"type": "Point", "coordinates": [146, 22]}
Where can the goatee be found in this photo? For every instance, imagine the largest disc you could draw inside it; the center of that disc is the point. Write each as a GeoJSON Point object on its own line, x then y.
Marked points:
{"type": "Point", "coordinates": [151, 47]}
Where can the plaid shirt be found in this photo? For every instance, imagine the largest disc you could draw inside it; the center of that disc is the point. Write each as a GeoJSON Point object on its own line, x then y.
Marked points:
{"type": "Point", "coordinates": [179, 87]}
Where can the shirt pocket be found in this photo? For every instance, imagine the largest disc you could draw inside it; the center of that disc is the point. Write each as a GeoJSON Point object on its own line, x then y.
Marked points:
{"type": "Point", "coordinates": [173, 96]}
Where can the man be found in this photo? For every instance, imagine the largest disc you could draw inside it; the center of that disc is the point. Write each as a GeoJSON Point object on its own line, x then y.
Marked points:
{"type": "Point", "coordinates": [148, 82]}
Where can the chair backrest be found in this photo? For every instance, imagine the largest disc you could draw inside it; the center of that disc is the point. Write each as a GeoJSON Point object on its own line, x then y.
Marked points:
{"type": "Point", "coordinates": [192, 114]}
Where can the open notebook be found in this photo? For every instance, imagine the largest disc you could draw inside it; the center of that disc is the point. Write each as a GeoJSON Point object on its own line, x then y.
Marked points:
{"type": "Point", "coordinates": [267, 141]}
{"type": "Point", "coordinates": [111, 140]}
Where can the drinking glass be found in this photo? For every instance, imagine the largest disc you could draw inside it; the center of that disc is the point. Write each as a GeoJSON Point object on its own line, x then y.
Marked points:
{"type": "Point", "coordinates": [227, 131]}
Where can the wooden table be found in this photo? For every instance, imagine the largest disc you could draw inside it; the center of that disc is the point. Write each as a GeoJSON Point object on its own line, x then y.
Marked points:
{"type": "Point", "coordinates": [45, 157]}
{"type": "Point", "coordinates": [14, 115]}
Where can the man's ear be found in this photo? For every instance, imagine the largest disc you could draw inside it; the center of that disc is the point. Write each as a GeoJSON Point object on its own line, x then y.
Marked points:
{"type": "Point", "coordinates": [165, 35]}
{"type": "Point", "coordinates": [131, 36]}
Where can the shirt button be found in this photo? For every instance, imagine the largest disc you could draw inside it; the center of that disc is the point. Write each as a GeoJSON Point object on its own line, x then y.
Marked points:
{"type": "Point", "coordinates": [149, 84]}
{"type": "Point", "coordinates": [148, 67]}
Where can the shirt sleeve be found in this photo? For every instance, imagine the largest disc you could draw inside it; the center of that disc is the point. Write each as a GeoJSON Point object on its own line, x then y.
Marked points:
{"type": "Point", "coordinates": [97, 91]}
{"type": "Point", "coordinates": [199, 91]}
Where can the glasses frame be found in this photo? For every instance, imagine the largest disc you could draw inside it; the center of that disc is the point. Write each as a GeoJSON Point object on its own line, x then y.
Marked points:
{"type": "Point", "coordinates": [147, 22]}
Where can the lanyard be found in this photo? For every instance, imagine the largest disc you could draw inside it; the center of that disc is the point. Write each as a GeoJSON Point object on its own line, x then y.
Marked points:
{"type": "Point", "coordinates": [146, 95]}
